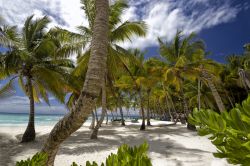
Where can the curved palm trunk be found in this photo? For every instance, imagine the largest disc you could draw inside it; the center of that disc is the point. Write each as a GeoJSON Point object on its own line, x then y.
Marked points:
{"type": "Point", "coordinates": [30, 133]}
{"type": "Point", "coordinates": [93, 121]}
{"type": "Point", "coordinates": [148, 111]}
{"type": "Point", "coordinates": [91, 89]}
{"type": "Point", "coordinates": [245, 80]}
{"type": "Point", "coordinates": [214, 91]}
{"type": "Point", "coordinates": [143, 126]}
{"type": "Point", "coordinates": [99, 123]}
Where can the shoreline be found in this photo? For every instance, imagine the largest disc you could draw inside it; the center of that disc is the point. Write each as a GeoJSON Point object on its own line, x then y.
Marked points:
{"type": "Point", "coordinates": [173, 145]}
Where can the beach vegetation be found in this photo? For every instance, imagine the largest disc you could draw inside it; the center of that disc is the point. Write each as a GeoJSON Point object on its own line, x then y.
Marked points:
{"type": "Point", "coordinates": [228, 131]}
{"type": "Point", "coordinates": [125, 156]}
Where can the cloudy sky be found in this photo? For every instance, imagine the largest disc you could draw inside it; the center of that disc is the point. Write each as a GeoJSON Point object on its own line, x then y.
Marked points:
{"type": "Point", "coordinates": [223, 24]}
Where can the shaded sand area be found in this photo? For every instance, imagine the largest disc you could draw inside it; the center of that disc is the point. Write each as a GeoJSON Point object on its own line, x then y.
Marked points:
{"type": "Point", "coordinates": [169, 145]}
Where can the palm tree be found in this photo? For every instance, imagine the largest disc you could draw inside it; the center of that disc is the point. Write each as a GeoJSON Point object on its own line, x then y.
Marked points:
{"type": "Point", "coordinates": [152, 75]}
{"type": "Point", "coordinates": [32, 59]}
{"type": "Point", "coordinates": [118, 32]}
{"type": "Point", "coordinates": [92, 85]}
{"type": "Point", "coordinates": [187, 56]}
{"type": "Point", "coordinates": [134, 79]}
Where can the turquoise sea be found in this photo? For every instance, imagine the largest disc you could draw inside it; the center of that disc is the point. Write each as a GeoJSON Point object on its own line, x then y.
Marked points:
{"type": "Point", "coordinates": [14, 119]}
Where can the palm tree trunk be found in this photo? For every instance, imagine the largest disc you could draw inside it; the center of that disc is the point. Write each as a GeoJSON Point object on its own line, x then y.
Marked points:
{"type": "Point", "coordinates": [116, 112]}
{"type": "Point", "coordinates": [148, 114]}
{"type": "Point", "coordinates": [104, 105]}
{"type": "Point", "coordinates": [121, 111]}
{"type": "Point", "coordinates": [143, 127]}
{"type": "Point", "coordinates": [128, 116]}
{"type": "Point", "coordinates": [169, 111]}
{"type": "Point", "coordinates": [199, 94]}
{"type": "Point", "coordinates": [187, 112]}
{"type": "Point", "coordinates": [93, 121]}
{"type": "Point", "coordinates": [112, 115]}
{"type": "Point", "coordinates": [244, 79]}
{"type": "Point", "coordinates": [96, 116]}
{"type": "Point", "coordinates": [214, 91]}
{"type": "Point", "coordinates": [91, 89]}
{"type": "Point", "coordinates": [107, 117]}
{"type": "Point", "coordinates": [30, 133]}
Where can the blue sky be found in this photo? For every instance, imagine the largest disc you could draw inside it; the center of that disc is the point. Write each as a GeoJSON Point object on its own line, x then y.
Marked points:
{"type": "Point", "coordinates": [223, 24]}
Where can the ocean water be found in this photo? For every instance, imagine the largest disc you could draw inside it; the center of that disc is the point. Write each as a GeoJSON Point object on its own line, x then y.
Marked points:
{"type": "Point", "coordinates": [13, 119]}
{"type": "Point", "coordinates": [22, 119]}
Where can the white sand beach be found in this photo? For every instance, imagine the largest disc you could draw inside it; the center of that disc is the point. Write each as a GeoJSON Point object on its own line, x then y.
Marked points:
{"type": "Point", "coordinates": [169, 145]}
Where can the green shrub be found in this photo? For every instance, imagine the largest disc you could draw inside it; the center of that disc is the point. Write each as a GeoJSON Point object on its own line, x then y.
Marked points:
{"type": "Point", "coordinates": [37, 159]}
{"type": "Point", "coordinates": [230, 131]}
{"type": "Point", "coordinates": [132, 156]}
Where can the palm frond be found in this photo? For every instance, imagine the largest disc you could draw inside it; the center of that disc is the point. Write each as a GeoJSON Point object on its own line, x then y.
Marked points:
{"type": "Point", "coordinates": [7, 90]}
{"type": "Point", "coordinates": [128, 29]}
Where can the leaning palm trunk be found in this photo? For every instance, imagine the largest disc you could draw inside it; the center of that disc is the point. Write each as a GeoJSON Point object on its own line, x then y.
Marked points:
{"type": "Point", "coordinates": [30, 133]}
{"type": "Point", "coordinates": [214, 91]}
{"type": "Point", "coordinates": [148, 112]}
{"type": "Point", "coordinates": [104, 110]}
{"type": "Point", "coordinates": [143, 127]}
{"type": "Point", "coordinates": [91, 89]}
{"type": "Point", "coordinates": [243, 77]}
{"type": "Point", "coordinates": [93, 121]}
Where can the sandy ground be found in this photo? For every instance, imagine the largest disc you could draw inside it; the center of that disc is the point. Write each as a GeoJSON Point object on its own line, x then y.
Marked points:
{"type": "Point", "coordinates": [169, 145]}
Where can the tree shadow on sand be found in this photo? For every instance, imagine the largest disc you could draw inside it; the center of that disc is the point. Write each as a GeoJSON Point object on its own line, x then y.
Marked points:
{"type": "Point", "coordinates": [110, 138]}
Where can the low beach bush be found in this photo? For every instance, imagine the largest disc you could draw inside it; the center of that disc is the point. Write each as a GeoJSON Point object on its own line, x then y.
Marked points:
{"type": "Point", "coordinates": [228, 131]}
{"type": "Point", "coordinates": [39, 159]}
{"type": "Point", "coordinates": [126, 155]}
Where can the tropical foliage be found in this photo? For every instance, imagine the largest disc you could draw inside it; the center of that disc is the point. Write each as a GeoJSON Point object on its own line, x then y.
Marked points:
{"type": "Point", "coordinates": [35, 60]}
{"type": "Point", "coordinates": [126, 155]}
{"type": "Point", "coordinates": [229, 131]}
{"type": "Point", "coordinates": [167, 87]}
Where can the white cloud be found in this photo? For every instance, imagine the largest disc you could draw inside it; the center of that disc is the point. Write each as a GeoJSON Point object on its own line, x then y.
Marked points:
{"type": "Point", "coordinates": [62, 12]}
{"type": "Point", "coordinates": [163, 17]}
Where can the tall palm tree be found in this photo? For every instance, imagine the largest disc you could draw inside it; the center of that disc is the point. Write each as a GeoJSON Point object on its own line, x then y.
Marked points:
{"type": "Point", "coordinates": [32, 59]}
{"type": "Point", "coordinates": [134, 80]}
{"type": "Point", "coordinates": [118, 32]}
{"type": "Point", "coordinates": [92, 84]}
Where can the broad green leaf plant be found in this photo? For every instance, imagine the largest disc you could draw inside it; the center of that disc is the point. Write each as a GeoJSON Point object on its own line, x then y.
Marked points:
{"type": "Point", "coordinates": [228, 131]}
